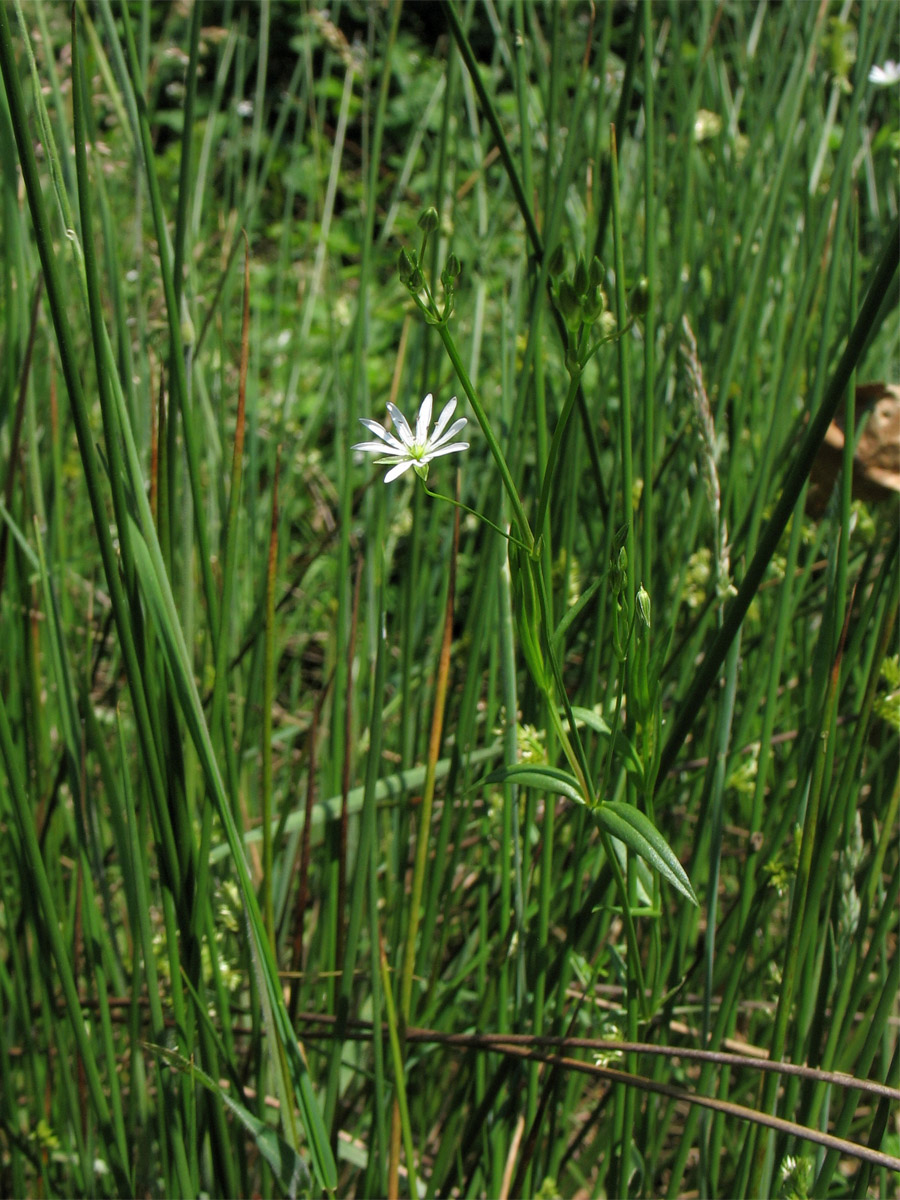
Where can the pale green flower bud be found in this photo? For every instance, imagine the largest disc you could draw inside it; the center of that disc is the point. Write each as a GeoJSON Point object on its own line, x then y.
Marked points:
{"type": "Point", "coordinates": [643, 605]}
{"type": "Point", "coordinates": [429, 220]}
{"type": "Point", "coordinates": [406, 264]}
{"type": "Point", "coordinates": [593, 304]}
{"type": "Point", "coordinates": [580, 281]}
{"type": "Point", "coordinates": [639, 296]}
{"type": "Point", "coordinates": [557, 263]}
{"type": "Point", "coordinates": [569, 305]}
{"type": "Point", "coordinates": [450, 274]}
{"type": "Point", "coordinates": [608, 325]}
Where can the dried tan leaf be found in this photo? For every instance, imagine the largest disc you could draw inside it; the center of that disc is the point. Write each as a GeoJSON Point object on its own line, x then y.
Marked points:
{"type": "Point", "coordinates": [876, 461]}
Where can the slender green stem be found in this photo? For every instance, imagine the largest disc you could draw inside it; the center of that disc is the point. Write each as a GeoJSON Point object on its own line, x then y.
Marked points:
{"type": "Point", "coordinates": [624, 379]}
{"type": "Point", "coordinates": [553, 453]}
{"type": "Point", "coordinates": [649, 314]}
{"type": "Point", "coordinates": [38, 879]}
{"type": "Point", "coordinates": [394, 1029]}
{"type": "Point", "coordinates": [479, 516]}
{"type": "Point", "coordinates": [69, 357]}
{"type": "Point", "coordinates": [268, 703]}
{"type": "Point", "coordinates": [462, 44]}
{"type": "Point", "coordinates": [178, 358]}
{"type": "Point", "coordinates": [518, 511]}
{"type": "Point", "coordinates": [423, 835]}
{"type": "Point", "coordinates": [784, 1008]}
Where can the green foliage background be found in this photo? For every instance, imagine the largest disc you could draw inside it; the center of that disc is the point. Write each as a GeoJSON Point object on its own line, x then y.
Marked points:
{"type": "Point", "coordinates": [268, 776]}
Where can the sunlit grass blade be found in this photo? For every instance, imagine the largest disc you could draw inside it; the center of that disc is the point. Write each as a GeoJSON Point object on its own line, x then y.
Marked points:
{"type": "Point", "coordinates": [287, 1056]}
{"type": "Point", "coordinates": [288, 1167]}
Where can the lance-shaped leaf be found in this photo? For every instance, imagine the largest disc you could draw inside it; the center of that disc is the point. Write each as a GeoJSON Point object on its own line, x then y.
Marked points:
{"type": "Point", "coordinates": [635, 829]}
{"type": "Point", "coordinates": [547, 779]}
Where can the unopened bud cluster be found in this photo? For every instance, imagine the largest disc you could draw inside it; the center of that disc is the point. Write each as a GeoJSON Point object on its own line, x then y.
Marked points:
{"type": "Point", "coordinates": [412, 276]}
{"type": "Point", "coordinates": [408, 269]}
{"type": "Point", "coordinates": [618, 567]}
{"type": "Point", "coordinates": [581, 299]}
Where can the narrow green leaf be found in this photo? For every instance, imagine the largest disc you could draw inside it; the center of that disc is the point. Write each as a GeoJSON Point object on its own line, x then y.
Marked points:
{"type": "Point", "coordinates": [592, 719]}
{"type": "Point", "coordinates": [287, 1165]}
{"type": "Point", "coordinates": [547, 779]}
{"type": "Point", "coordinates": [622, 745]}
{"type": "Point", "coordinates": [635, 829]}
{"type": "Point", "coordinates": [286, 1052]}
{"type": "Point", "coordinates": [578, 607]}
{"type": "Point", "coordinates": [390, 790]}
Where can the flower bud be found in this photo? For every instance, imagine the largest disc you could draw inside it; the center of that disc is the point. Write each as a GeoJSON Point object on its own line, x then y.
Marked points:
{"type": "Point", "coordinates": [608, 327]}
{"type": "Point", "coordinates": [580, 280]}
{"type": "Point", "coordinates": [429, 220]}
{"type": "Point", "coordinates": [557, 263]}
{"type": "Point", "coordinates": [639, 296]}
{"type": "Point", "coordinates": [406, 264]}
{"type": "Point", "coordinates": [593, 304]}
{"type": "Point", "coordinates": [569, 305]}
{"type": "Point", "coordinates": [450, 274]}
{"type": "Point", "coordinates": [643, 605]}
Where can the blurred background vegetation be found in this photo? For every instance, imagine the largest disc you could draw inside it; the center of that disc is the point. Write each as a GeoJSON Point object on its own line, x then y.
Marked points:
{"type": "Point", "coordinates": [224, 706]}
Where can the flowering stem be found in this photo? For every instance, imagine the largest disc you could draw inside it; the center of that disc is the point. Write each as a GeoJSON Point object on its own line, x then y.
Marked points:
{"type": "Point", "coordinates": [578, 762]}
{"type": "Point", "coordinates": [575, 754]}
{"type": "Point", "coordinates": [494, 445]}
{"type": "Point", "coordinates": [472, 512]}
{"type": "Point", "coordinates": [553, 453]}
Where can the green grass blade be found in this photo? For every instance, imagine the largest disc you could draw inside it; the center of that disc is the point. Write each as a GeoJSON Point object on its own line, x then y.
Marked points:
{"type": "Point", "coordinates": [154, 586]}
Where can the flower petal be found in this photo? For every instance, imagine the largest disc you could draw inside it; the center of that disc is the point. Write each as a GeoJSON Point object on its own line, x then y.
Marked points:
{"type": "Point", "coordinates": [885, 76]}
{"type": "Point", "coordinates": [401, 425]}
{"type": "Point", "coordinates": [444, 450]}
{"type": "Point", "coordinates": [402, 449]}
{"type": "Point", "coordinates": [423, 420]}
{"type": "Point", "coordinates": [379, 448]}
{"type": "Point", "coordinates": [442, 420]}
{"type": "Point", "coordinates": [379, 431]}
{"type": "Point", "coordinates": [454, 429]}
{"type": "Point", "coordinates": [374, 426]}
{"type": "Point", "coordinates": [399, 469]}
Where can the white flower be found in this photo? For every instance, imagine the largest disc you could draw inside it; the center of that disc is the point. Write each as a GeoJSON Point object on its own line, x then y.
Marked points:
{"type": "Point", "coordinates": [885, 76]}
{"type": "Point", "coordinates": [413, 450]}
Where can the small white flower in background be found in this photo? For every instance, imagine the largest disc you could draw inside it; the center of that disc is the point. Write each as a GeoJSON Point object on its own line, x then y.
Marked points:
{"type": "Point", "coordinates": [885, 76]}
{"type": "Point", "coordinates": [410, 449]}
